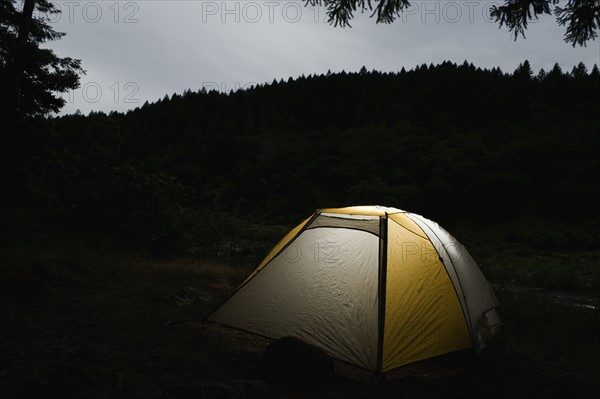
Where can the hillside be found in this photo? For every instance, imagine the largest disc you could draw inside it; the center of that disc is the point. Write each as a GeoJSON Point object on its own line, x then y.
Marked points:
{"type": "Point", "coordinates": [454, 142]}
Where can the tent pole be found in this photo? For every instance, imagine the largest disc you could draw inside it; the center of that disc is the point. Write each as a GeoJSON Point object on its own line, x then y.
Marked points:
{"type": "Point", "coordinates": [383, 229]}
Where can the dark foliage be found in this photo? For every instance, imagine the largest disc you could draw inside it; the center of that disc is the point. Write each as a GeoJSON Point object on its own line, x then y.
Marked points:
{"type": "Point", "coordinates": [453, 142]}
{"type": "Point", "coordinates": [31, 81]}
{"type": "Point", "coordinates": [31, 77]}
{"type": "Point", "coordinates": [581, 17]}
{"type": "Point", "coordinates": [444, 139]}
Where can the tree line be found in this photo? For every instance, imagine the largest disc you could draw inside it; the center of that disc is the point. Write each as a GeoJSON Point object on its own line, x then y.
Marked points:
{"type": "Point", "coordinates": [451, 141]}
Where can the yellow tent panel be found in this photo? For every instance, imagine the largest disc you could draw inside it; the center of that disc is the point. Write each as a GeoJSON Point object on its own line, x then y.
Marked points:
{"type": "Point", "coordinates": [423, 317]}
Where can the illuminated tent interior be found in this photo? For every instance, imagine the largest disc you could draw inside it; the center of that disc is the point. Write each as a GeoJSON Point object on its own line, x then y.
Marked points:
{"type": "Point", "coordinates": [372, 286]}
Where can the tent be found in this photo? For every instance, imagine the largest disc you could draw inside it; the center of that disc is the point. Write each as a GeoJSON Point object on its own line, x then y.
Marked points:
{"type": "Point", "coordinates": [373, 286]}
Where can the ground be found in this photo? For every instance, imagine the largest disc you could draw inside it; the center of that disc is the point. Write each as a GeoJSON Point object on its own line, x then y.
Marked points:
{"type": "Point", "coordinates": [85, 321]}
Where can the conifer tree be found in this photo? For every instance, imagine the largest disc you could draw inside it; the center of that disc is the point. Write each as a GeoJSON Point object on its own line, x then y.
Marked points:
{"type": "Point", "coordinates": [523, 71]}
{"type": "Point", "coordinates": [581, 17]}
{"type": "Point", "coordinates": [579, 70]}
{"type": "Point", "coordinates": [32, 78]}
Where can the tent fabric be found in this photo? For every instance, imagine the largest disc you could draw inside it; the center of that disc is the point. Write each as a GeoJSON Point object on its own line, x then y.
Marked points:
{"type": "Point", "coordinates": [423, 316]}
{"type": "Point", "coordinates": [373, 286]}
{"type": "Point", "coordinates": [467, 278]}
{"type": "Point", "coordinates": [325, 294]}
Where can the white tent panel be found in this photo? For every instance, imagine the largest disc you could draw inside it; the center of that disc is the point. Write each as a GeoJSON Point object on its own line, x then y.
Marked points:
{"type": "Point", "coordinates": [322, 289]}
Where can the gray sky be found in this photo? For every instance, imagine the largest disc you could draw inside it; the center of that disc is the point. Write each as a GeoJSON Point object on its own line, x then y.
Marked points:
{"type": "Point", "coordinates": [135, 51]}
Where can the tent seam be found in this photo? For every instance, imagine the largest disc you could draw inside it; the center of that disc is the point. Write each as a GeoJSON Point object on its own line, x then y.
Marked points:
{"type": "Point", "coordinates": [383, 264]}
{"type": "Point", "coordinates": [409, 230]}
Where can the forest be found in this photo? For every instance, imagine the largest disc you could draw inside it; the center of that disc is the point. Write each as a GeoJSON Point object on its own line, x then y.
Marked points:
{"type": "Point", "coordinates": [199, 169]}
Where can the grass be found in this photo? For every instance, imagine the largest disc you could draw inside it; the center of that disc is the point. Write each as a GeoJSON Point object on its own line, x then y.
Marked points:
{"type": "Point", "coordinates": [549, 256]}
{"type": "Point", "coordinates": [80, 321]}
{"type": "Point", "coordinates": [545, 326]}
{"type": "Point", "coordinates": [566, 271]}
{"type": "Point", "coordinates": [84, 320]}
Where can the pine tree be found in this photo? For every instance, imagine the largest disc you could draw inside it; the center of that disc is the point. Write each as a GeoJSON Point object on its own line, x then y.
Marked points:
{"type": "Point", "coordinates": [580, 17]}
{"type": "Point", "coordinates": [523, 71]}
{"type": "Point", "coordinates": [556, 71]}
{"type": "Point", "coordinates": [579, 70]}
{"type": "Point", "coordinates": [542, 75]}
{"type": "Point", "coordinates": [32, 77]}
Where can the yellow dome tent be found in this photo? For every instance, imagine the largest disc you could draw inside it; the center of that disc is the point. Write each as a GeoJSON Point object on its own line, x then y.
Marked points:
{"type": "Point", "coordinates": [372, 286]}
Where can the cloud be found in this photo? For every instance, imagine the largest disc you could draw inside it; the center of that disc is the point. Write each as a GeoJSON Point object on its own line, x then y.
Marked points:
{"type": "Point", "coordinates": [138, 51]}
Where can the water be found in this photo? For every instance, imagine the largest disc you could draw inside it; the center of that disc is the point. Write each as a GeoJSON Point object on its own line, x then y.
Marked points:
{"type": "Point", "coordinates": [573, 299]}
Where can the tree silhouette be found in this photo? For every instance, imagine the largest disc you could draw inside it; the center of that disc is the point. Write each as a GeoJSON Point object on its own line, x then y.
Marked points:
{"type": "Point", "coordinates": [524, 71]}
{"type": "Point", "coordinates": [32, 77]}
{"type": "Point", "coordinates": [581, 17]}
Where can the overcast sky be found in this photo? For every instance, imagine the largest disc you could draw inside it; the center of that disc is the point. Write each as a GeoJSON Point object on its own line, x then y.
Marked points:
{"type": "Point", "coordinates": [137, 51]}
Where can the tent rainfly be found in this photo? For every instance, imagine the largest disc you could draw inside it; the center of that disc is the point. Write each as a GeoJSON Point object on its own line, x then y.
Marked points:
{"type": "Point", "coordinates": [373, 286]}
